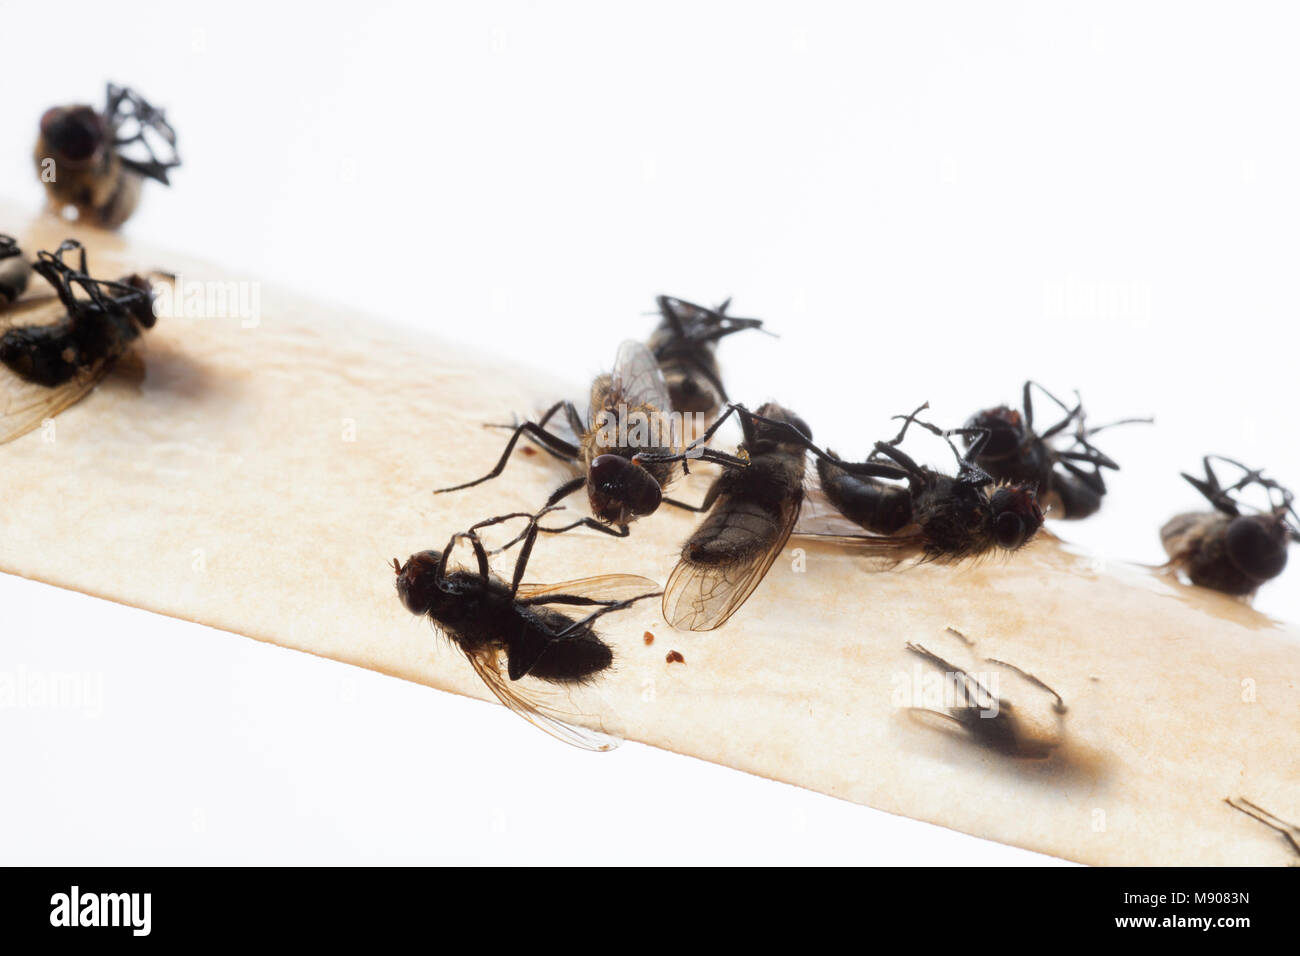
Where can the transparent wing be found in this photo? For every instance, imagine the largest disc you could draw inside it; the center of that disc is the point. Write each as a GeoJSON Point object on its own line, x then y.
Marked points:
{"type": "Point", "coordinates": [25, 405]}
{"type": "Point", "coordinates": [819, 516]}
{"type": "Point", "coordinates": [603, 587]}
{"type": "Point", "coordinates": [539, 707]}
{"type": "Point", "coordinates": [822, 520]}
{"type": "Point", "coordinates": [702, 597]}
{"type": "Point", "coordinates": [636, 379]}
{"type": "Point", "coordinates": [884, 551]}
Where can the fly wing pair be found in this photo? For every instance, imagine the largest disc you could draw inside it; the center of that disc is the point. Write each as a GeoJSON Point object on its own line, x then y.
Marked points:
{"type": "Point", "coordinates": [548, 706]}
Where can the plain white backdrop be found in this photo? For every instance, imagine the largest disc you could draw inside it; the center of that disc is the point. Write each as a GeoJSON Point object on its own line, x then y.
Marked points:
{"type": "Point", "coordinates": [927, 201]}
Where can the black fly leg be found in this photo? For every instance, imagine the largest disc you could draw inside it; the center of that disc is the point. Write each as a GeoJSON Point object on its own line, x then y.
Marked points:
{"type": "Point", "coordinates": [794, 436]}
{"type": "Point", "coordinates": [499, 519]}
{"type": "Point", "coordinates": [535, 430]}
{"type": "Point", "coordinates": [575, 420]}
{"type": "Point", "coordinates": [440, 572]}
{"type": "Point", "coordinates": [1091, 456]}
{"type": "Point", "coordinates": [575, 423]}
{"type": "Point", "coordinates": [556, 496]}
{"type": "Point", "coordinates": [695, 450]}
{"type": "Point", "coordinates": [1070, 413]}
{"type": "Point", "coordinates": [1090, 479]}
{"type": "Point", "coordinates": [63, 277]}
{"type": "Point", "coordinates": [1213, 490]}
{"type": "Point", "coordinates": [670, 316]}
{"type": "Point", "coordinates": [1283, 507]}
{"type": "Point", "coordinates": [1089, 432]}
{"type": "Point", "coordinates": [146, 117]}
{"type": "Point", "coordinates": [968, 473]}
{"type": "Point", "coordinates": [903, 462]}
{"type": "Point", "coordinates": [710, 497]}
{"type": "Point", "coordinates": [566, 489]}
{"type": "Point", "coordinates": [617, 606]}
{"type": "Point", "coordinates": [620, 531]}
{"type": "Point", "coordinates": [471, 534]}
{"type": "Point", "coordinates": [978, 437]}
{"type": "Point", "coordinates": [530, 538]}
{"type": "Point", "coordinates": [907, 423]}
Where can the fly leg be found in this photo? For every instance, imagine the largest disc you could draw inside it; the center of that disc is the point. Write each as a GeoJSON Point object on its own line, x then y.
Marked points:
{"type": "Point", "coordinates": [969, 473]}
{"type": "Point", "coordinates": [616, 606]}
{"type": "Point", "coordinates": [575, 423]}
{"type": "Point", "coordinates": [1214, 492]}
{"type": "Point", "coordinates": [902, 432]}
{"type": "Point", "coordinates": [530, 538]}
{"type": "Point", "coordinates": [1071, 413]}
{"type": "Point", "coordinates": [536, 430]}
{"type": "Point", "coordinates": [710, 497]}
{"type": "Point", "coordinates": [566, 489]}
{"type": "Point", "coordinates": [696, 450]}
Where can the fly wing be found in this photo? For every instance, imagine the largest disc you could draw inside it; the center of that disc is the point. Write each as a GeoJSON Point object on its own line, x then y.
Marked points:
{"type": "Point", "coordinates": [25, 405]}
{"type": "Point", "coordinates": [537, 706]}
{"type": "Point", "coordinates": [702, 597]}
{"type": "Point", "coordinates": [602, 587]}
{"type": "Point", "coordinates": [819, 516]}
{"type": "Point", "coordinates": [820, 519]}
{"type": "Point", "coordinates": [636, 379]}
{"type": "Point", "coordinates": [884, 552]}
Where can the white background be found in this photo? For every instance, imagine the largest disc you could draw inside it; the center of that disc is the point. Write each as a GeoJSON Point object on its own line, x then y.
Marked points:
{"type": "Point", "coordinates": [927, 201]}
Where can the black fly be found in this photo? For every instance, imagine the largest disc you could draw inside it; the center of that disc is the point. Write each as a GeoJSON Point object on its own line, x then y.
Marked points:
{"type": "Point", "coordinates": [1068, 480]}
{"type": "Point", "coordinates": [684, 345]}
{"type": "Point", "coordinates": [938, 516]}
{"type": "Point", "coordinates": [1225, 549]}
{"type": "Point", "coordinates": [628, 415]}
{"type": "Point", "coordinates": [96, 161]}
{"type": "Point", "coordinates": [753, 506]}
{"type": "Point", "coordinates": [510, 631]}
{"type": "Point", "coordinates": [57, 362]}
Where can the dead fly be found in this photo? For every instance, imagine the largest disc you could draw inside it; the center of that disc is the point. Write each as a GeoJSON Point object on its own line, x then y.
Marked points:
{"type": "Point", "coordinates": [752, 509]}
{"type": "Point", "coordinates": [56, 363]}
{"type": "Point", "coordinates": [15, 270]}
{"type": "Point", "coordinates": [935, 516]}
{"type": "Point", "coordinates": [1068, 480]}
{"type": "Point", "coordinates": [1256, 812]}
{"type": "Point", "coordinates": [510, 631]}
{"type": "Point", "coordinates": [990, 720]}
{"type": "Point", "coordinates": [97, 161]}
{"type": "Point", "coordinates": [684, 345]}
{"type": "Point", "coordinates": [626, 417]}
{"type": "Point", "coordinates": [1225, 549]}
